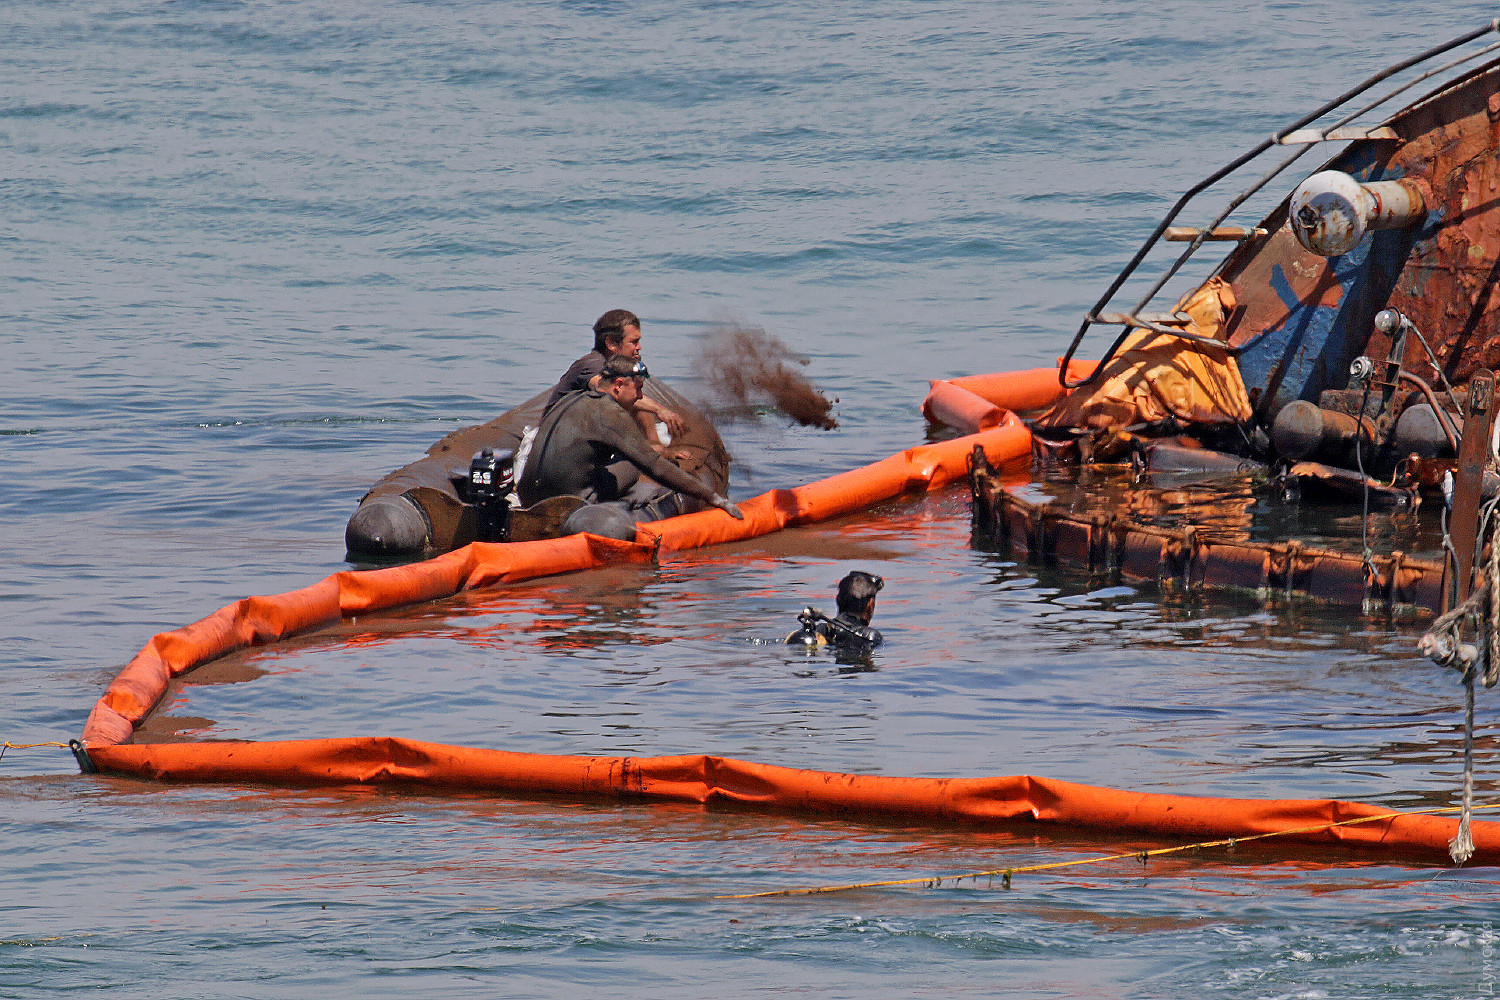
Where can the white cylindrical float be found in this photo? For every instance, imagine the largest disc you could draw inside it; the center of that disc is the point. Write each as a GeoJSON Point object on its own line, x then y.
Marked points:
{"type": "Point", "coordinates": [1330, 212]}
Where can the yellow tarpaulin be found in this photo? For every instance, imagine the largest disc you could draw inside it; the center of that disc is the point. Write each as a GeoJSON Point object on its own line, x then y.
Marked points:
{"type": "Point", "coordinates": [1154, 375]}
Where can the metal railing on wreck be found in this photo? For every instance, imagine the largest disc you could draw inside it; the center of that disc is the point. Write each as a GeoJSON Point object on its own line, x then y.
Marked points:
{"type": "Point", "coordinates": [1295, 134]}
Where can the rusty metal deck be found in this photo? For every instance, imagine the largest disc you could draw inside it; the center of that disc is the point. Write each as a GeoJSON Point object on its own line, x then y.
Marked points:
{"type": "Point", "coordinates": [1119, 547]}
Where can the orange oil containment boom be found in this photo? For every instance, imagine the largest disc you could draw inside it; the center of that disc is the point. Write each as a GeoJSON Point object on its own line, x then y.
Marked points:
{"type": "Point", "coordinates": [722, 781]}
{"type": "Point", "coordinates": [698, 778]}
{"type": "Point", "coordinates": [254, 621]}
{"type": "Point", "coordinates": [972, 403]}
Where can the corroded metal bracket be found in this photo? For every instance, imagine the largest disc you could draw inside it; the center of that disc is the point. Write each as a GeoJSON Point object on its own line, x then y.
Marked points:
{"type": "Point", "coordinates": [1468, 482]}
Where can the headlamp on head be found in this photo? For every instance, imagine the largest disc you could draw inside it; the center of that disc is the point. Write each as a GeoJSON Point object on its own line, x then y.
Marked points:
{"type": "Point", "coordinates": [618, 368]}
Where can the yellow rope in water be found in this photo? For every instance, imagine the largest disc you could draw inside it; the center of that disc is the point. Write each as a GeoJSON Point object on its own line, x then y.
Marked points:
{"type": "Point", "coordinates": [1006, 873]}
{"type": "Point", "coordinates": [8, 745]}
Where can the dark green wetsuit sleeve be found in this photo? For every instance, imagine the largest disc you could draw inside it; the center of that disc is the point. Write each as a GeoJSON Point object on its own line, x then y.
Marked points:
{"type": "Point", "coordinates": [625, 437]}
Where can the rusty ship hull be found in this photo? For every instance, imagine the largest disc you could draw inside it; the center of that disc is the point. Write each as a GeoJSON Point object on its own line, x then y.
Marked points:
{"type": "Point", "coordinates": [1347, 363]}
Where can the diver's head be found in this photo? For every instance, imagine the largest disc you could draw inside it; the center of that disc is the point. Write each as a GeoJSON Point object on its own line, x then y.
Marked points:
{"type": "Point", "coordinates": [857, 595]}
{"type": "Point", "coordinates": [623, 379]}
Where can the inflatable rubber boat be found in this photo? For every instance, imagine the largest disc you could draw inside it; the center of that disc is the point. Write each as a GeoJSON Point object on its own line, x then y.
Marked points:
{"type": "Point", "coordinates": [460, 492]}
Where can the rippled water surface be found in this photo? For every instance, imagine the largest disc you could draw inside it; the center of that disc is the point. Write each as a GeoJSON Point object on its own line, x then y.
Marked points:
{"type": "Point", "coordinates": [258, 254]}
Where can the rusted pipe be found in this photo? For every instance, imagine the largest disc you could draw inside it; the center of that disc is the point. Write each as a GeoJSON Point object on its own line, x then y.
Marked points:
{"type": "Point", "coordinates": [1302, 429]}
{"type": "Point", "coordinates": [1441, 414]}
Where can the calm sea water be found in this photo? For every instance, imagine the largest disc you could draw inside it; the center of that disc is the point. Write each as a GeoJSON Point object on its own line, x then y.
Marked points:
{"type": "Point", "coordinates": [257, 254]}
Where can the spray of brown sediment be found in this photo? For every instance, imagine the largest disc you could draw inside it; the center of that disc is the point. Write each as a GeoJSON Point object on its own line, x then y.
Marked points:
{"type": "Point", "coordinates": [744, 368]}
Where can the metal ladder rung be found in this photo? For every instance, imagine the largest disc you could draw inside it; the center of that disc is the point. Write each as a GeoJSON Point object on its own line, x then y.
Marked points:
{"type": "Point", "coordinates": [1146, 320]}
{"type": "Point", "coordinates": [1168, 324]}
{"type": "Point", "coordinates": [1223, 234]}
{"type": "Point", "coordinates": [1343, 133]}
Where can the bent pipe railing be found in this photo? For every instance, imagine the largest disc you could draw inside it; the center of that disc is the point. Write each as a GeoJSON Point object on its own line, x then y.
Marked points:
{"type": "Point", "coordinates": [1132, 320]}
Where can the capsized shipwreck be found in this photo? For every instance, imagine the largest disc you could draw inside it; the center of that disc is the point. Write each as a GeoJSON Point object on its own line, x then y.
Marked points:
{"type": "Point", "coordinates": [1339, 357]}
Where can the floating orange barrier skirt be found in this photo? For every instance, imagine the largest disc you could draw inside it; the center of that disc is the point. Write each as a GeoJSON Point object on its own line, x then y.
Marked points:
{"type": "Point", "coordinates": [710, 781]}
{"type": "Point", "coordinates": [973, 403]}
{"type": "Point", "coordinates": [697, 778]}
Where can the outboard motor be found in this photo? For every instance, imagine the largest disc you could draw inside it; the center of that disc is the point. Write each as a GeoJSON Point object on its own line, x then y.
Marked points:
{"type": "Point", "coordinates": [490, 480]}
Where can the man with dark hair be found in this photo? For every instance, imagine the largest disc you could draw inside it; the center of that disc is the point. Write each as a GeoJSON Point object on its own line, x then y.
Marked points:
{"type": "Point", "coordinates": [588, 446]}
{"type": "Point", "coordinates": [616, 334]}
{"type": "Point", "coordinates": [850, 631]}
{"type": "Point", "coordinates": [611, 326]}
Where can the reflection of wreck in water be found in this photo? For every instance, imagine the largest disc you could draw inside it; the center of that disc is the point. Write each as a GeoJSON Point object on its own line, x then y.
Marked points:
{"type": "Point", "coordinates": [1342, 351]}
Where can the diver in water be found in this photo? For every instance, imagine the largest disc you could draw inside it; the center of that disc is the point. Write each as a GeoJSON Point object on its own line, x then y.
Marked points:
{"type": "Point", "coordinates": [849, 632]}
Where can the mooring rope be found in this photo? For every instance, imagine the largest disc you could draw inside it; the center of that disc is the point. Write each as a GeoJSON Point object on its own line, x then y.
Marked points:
{"type": "Point", "coordinates": [935, 881]}
{"type": "Point", "coordinates": [1444, 644]}
{"type": "Point", "coordinates": [1461, 847]}
{"type": "Point", "coordinates": [1492, 666]}
{"type": "Point", "coordinates": [8, 745]}
{"type": "Point", "coordinates": [1364, 482]}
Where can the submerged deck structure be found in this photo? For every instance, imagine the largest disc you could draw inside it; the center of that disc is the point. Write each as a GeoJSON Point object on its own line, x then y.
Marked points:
{"type": "Point", "coordinates": [1189, 560]}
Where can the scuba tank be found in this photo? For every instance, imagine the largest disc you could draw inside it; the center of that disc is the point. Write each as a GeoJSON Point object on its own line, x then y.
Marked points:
{"type": "Point", "coordinates": [820, 630]}
{"type": "Point", "coordinates": [808, 634]}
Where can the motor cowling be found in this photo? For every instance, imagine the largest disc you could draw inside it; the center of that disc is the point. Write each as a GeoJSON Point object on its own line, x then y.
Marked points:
{"type": "Point", "coordinates": [491, 476]}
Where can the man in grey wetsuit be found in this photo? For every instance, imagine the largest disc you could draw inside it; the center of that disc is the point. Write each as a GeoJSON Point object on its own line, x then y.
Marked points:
{"type": "Point", "coordinates": [589, 446]}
